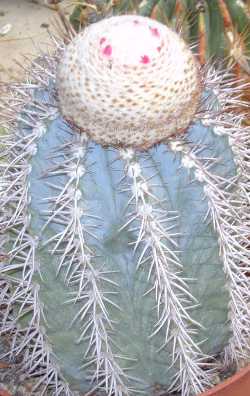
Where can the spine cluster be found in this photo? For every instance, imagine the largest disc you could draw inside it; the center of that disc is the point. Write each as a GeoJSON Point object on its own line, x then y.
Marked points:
{"type": "Point", "coordinates": [156, 243]}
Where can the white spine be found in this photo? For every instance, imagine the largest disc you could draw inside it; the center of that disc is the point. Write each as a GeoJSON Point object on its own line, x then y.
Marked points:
{"type": "Point", "coordinates": [233, 226]}
{"type": "Point", "coordinates": [225, 211]}
{"type": "Point", "coordinates": [158, 246]}
{"type": "Point", "coordinates": [78, 258]}
{"type": "Point", "coordinates": [29, 343]}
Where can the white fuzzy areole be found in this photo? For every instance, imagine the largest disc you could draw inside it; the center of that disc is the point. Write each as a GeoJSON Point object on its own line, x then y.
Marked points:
{"type": "Point", "coordinates": [128, 81]}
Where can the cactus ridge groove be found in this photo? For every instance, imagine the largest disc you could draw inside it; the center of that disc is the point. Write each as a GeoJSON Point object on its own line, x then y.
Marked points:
{"type": "Point", "coordinates": [37, 357]}
{"type": "Point", "coordinates": [228, 211]}
{"type": "Point", "coordinates": [77, 257]}
{"type": "Point", "coordinates": [91, 290]}
{"type": "Point", "coordinates": [227, 223]}
{"type": "Point", "coordinates": [171, 291]}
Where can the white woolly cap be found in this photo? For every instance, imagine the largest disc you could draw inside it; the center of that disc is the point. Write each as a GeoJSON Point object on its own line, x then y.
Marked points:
{"type": "Point", "coordinates": [128, 81]}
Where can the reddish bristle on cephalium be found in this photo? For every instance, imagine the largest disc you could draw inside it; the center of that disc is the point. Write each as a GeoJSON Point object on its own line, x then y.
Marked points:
{"type": "Point", "coordinates": [130, 82]}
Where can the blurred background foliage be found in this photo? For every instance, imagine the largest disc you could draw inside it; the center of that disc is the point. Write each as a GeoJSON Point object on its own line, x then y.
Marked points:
{"type": "Point", "coordinates": [218, 30]}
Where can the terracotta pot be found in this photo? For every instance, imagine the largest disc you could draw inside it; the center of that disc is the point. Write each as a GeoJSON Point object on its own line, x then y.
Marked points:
{"type": "Point", "coordinates": [237, 385]}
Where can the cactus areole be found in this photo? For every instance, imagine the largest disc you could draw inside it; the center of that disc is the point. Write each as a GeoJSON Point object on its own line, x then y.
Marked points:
{"type": "Point", "coordinates": [124, 240]}
{"type": "Point", "coordinates": [129, 81]}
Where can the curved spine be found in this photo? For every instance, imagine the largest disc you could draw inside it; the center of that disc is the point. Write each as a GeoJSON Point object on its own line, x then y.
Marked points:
{"type": "Point", "coordinates": [20, 296]}
{"type": "Point", "coordinates": [227, 210]}
{"type": "Point", "coordinates": [171, 290]}
{"type": "Point", "coordinates": [81, 272]}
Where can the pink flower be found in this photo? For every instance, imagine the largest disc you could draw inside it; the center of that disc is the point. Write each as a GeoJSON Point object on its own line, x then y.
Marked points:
{"type": "Point", "coordinates": [145, 59]}
{"type": "Point", "coordinates": [154, 31]}
{"type": "Point", "coordinates": [107, 51]}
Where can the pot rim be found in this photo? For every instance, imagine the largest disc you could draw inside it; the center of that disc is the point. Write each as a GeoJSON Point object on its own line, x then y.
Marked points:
{"type": "Point", "coordinates": [232, 386]}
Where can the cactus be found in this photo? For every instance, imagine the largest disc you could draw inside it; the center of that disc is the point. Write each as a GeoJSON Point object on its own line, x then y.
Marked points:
{"type": "Point", "coordinates": [124, 216]}
{"type": "Point", "coordinates": [219, 27]}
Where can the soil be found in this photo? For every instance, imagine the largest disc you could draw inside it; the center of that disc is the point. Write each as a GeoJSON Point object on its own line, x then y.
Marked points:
{"type": "Point", "coordinates": [28, 22]}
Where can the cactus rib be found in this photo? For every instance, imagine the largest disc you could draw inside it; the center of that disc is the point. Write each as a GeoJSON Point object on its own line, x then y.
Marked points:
{"type": "Point", "coordinates": [68, 231]}
{"type": "Point", "coordinates": [27, 340]}
{"type": "Point", "coordinates": [224, 209]}
{"type": "Point", "coordinates": [68, 210]}
{"type": "Point", "coordinates": [173, 298]}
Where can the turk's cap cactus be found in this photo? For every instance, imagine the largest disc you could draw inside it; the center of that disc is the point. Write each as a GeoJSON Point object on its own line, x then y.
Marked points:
{"type": "Point", "coordinates": [129, 81]}
{"type": "Point", "coordinates": [124, 268]}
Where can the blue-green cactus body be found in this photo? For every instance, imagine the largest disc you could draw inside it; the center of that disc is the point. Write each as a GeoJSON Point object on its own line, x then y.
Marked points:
{"type": "Point", "coordinates": [105, 192]}
{"type": "Point", "coordinates": [124, 266]}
